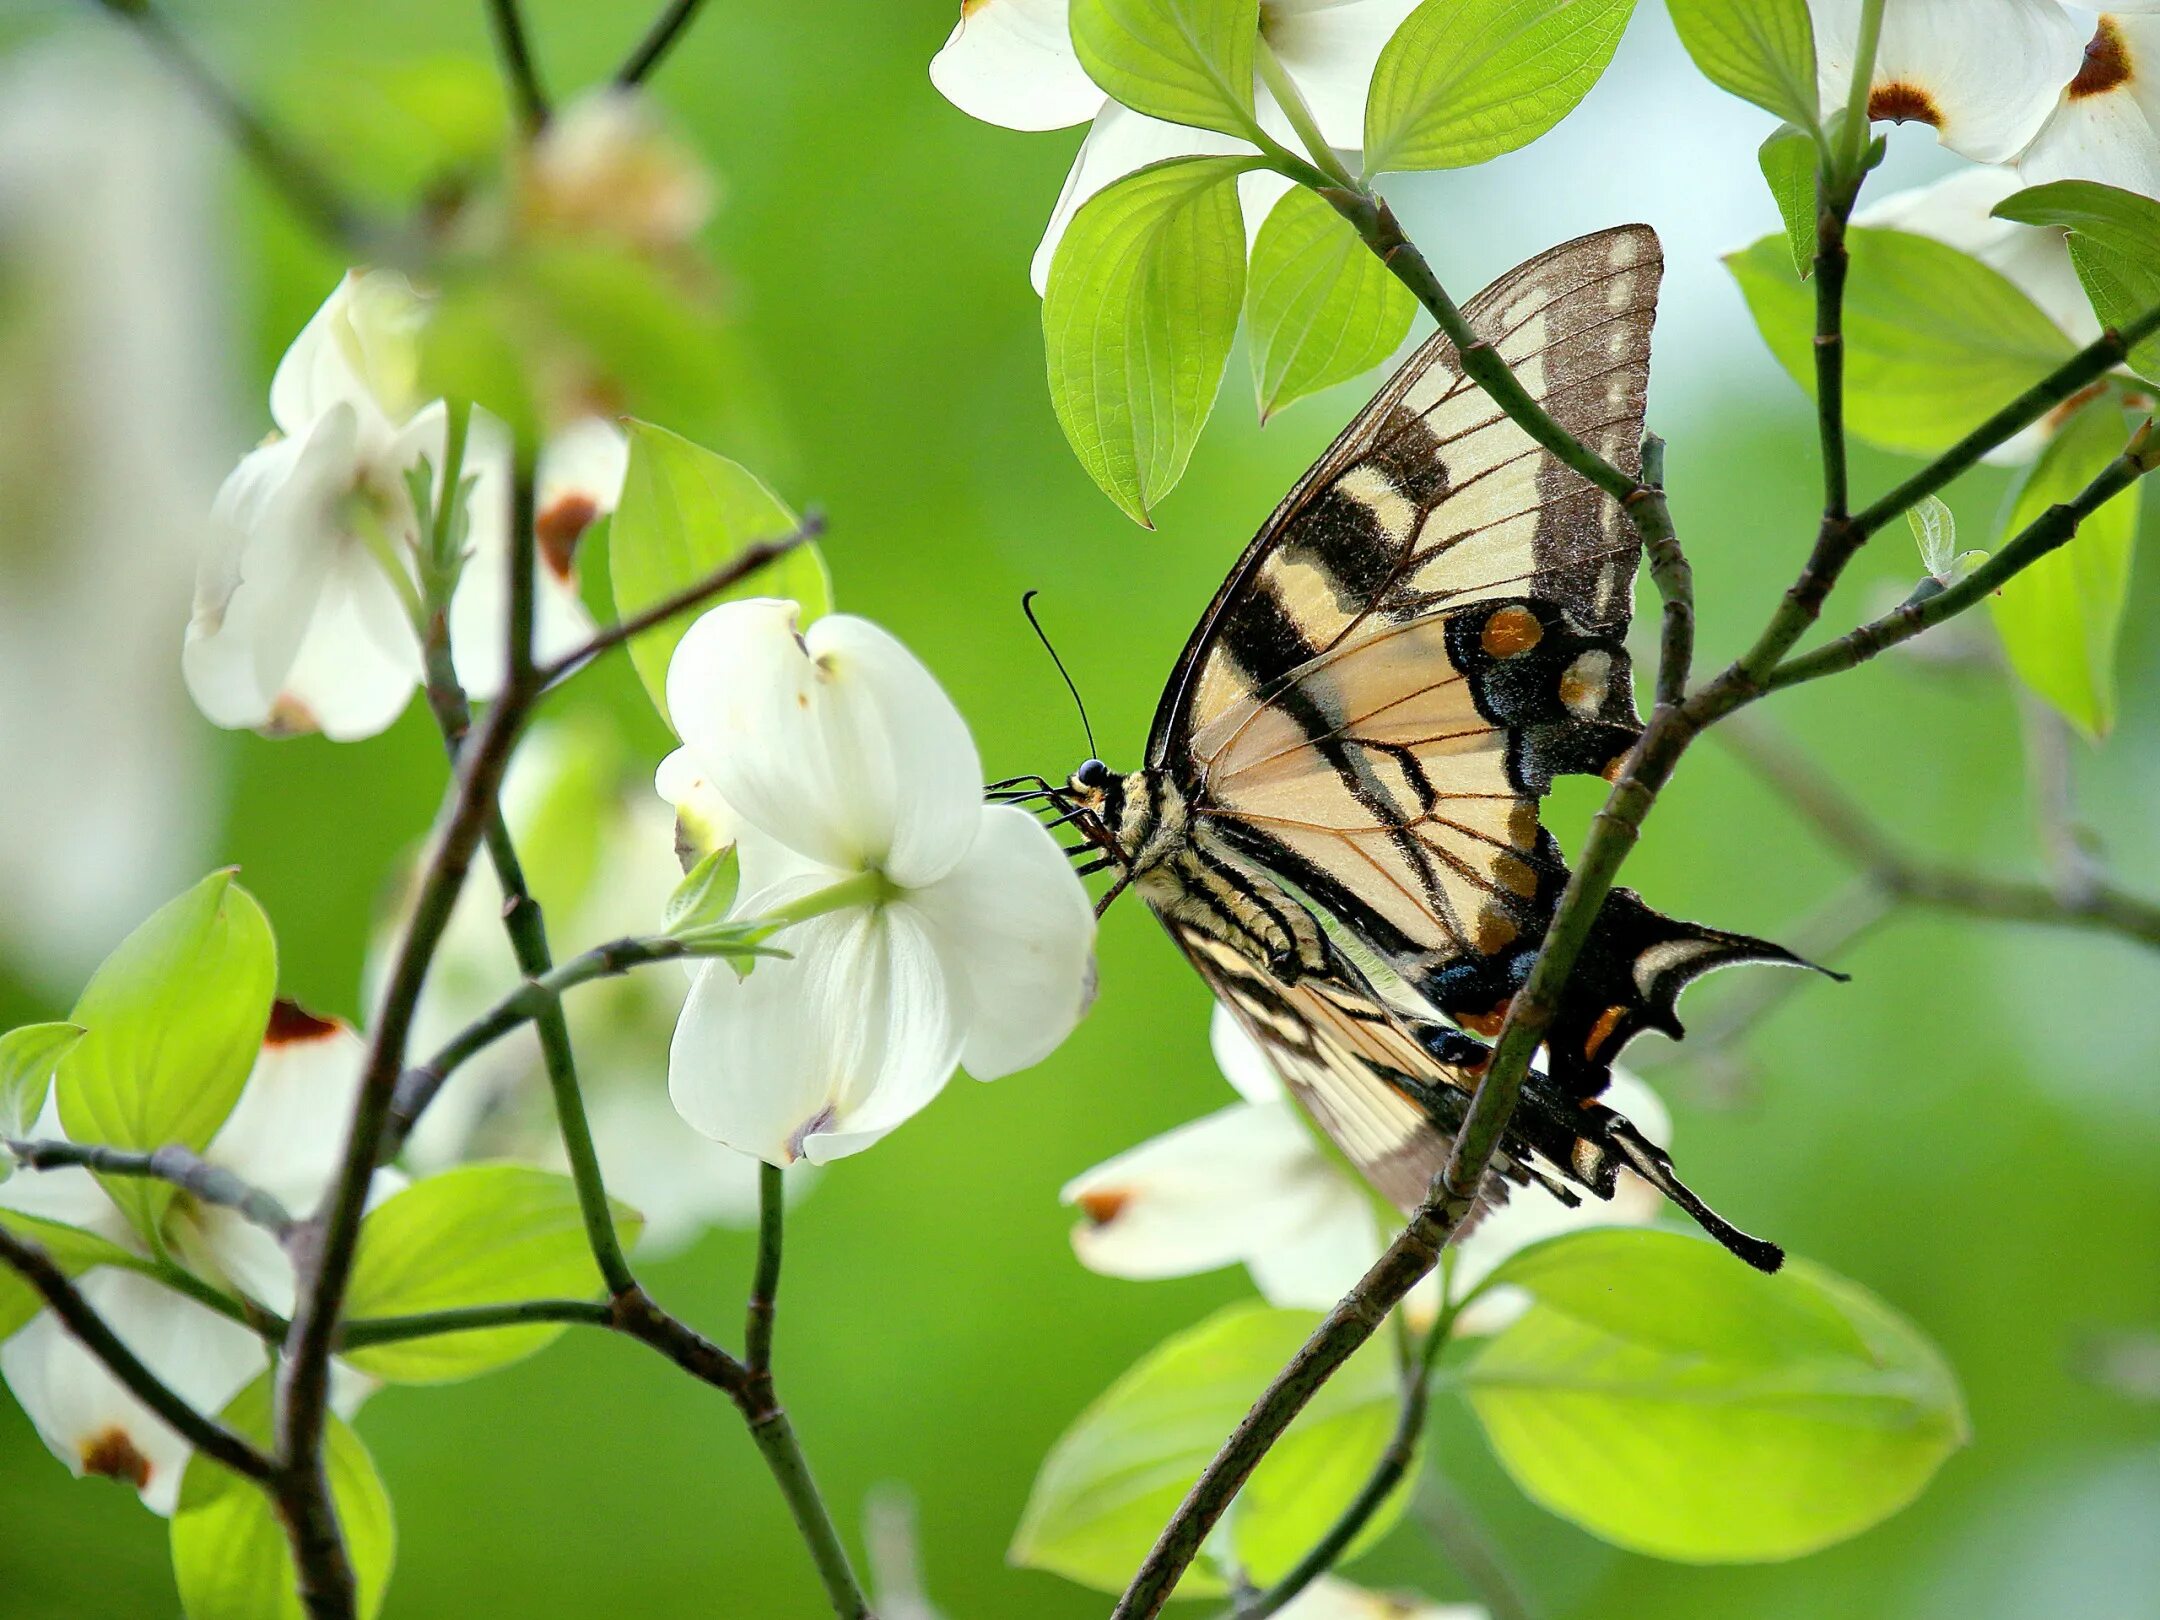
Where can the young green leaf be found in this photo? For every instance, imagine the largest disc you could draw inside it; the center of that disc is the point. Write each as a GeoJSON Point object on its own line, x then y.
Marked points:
{"type": "Point", "coordinates": [1788, 160]}
{"type": "Point", "coordinates": [1934, 528]}
{"type": "Point", "coordinates": [685, 513]}
{"type": "Point", "coordinates": [481, 1234]}
{"type": "Point", "coordinates": [706, 893]}
{"type": "Point", "coordinates": [1683, 1406]}
{"type": "Point", "coordinates": [1122, 1468]}
{"type": "Point", "coordinates": [1319, 308]}
{"type": "Point", "coordinates": [1187, 61]}
{"type": "Point", "coordinates": [1462, 81]}
{"type": "Point", "coordinates": [1935, 341]}
{"type": "Point", "coordinates": [1759, 50]}
{"type": "Point", "coordinates": [70, 1248]}
{"type": "Point", "coordinates": [2059, 618]}
{"type": "Point", "coordinates": [1138, 321]}
{"type": "Point", "coordinates": [231, 1559]}
{"type": "Point", "coordinates": [175, 1017]}
{"type": "Point", "coordinates": [28, 1057]}
{"type": "Point", "coordinates": [2114, 243]}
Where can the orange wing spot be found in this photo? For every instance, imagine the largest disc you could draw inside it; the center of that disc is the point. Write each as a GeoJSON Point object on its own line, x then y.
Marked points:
{"type": "Point", "coordinates": [1611, 772]}
{"type": "Point", "coordinates": [1903, 103]}
{"type": "Point", "coordinates": [1486, 1024]}
{"type": "Point", "coordinates": [1522, 825]}
{"type": "Point", "coordinates": [112, 1455]}
{"type": "Point", "coordinates": [1104, 1206]}
{"type": "Point", "coordinates": [1601, 1031]}
{"type": "Point", "coordinates": [2107, 63]}
{"type": "Point", "coordinates": [1510, 631]}
{"type": "Point", "coordinates": [1496, 931]}
{"type": "Point", "coordinates": [1516, 877]}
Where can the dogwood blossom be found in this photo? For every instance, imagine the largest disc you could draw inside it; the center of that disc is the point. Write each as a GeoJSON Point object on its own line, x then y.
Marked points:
{"type": "Point", "coordinates": [600, 864]}
{"type": "Point", "coordinates": [305, 599]}
{"type": "Point", "coordinates": [1012, 63]}
{"type": "Point", "coordinates": [1332, 1598]}
{"type": "Point", "coordinates": [929, 929]}
{"type": "Point", "coordinates": [1251, 1185]}
{"type": "Point", "coordinates": [285, 1135]}
{"type": "Point", "coordinates": [2106, 125]}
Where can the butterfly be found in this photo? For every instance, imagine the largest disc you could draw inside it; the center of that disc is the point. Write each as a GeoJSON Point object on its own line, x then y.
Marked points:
{"type": "Point", "coordinates": [1337, 819]}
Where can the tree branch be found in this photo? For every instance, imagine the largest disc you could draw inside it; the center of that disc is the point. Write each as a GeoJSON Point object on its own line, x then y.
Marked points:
{"type": "Point", "coordinates": [205, 1434]}
{"type": "Point", "coordinates": [765, 1284]}
{"type": "Point", "coordinates": [176, 1165]}
{"type": "Point", "coordinates": [667, 29]}
{"type": "Point", "coordinates": [361, 1332]}
{"type": "Point", "coordinates": [519, 71]}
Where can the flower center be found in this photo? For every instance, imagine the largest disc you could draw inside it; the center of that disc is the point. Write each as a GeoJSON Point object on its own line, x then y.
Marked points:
{"type": "Point", "coordinates": [2107, 63]}
{"type": "Point", "coordinates": [1902, 103]}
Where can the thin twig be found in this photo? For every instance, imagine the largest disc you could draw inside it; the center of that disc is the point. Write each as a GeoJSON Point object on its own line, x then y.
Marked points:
{"type": "Point", "coordinates": [666, 30]}
{"type": "Point", "coordinates": [729, 574]}
{"type": "Point", "coordinates": [1674, 578]}
{"type": "Point", "coordinates": [173, 1164]}
{"type": "Point", "coordinates": [519, 71]}
{"type": "Point", "coordinates": [765, 1283]}
{"type": "Point", "coordinates": [80, 1318]}
{"type": "Point", "coordinates": [363, 1331]}
{"type": "Point", "coordinates": [1448, 1520]}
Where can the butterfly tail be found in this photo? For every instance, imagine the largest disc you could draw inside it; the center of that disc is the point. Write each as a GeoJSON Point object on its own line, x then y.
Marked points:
{"type": "Point", "coordinates": [1629, 978]}
{"type": "Point", "coordinates": [1651, 1162]}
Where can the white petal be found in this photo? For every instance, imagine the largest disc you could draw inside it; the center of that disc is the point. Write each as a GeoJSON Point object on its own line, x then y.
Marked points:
{"type": "Point", "coordinates": [1016, 934]}
{"type": "Point", "coordinates": [359, 350]}
{"type": "Point", "coordinates": [681, 1182]}
{"type": "Point", "coordinates": [817, 1055]}
{"type": "Point", "coordinates": [480, 612]}
{"type": "Point", "coordinates": [585, 461]}
{"type": "Point", "coordinates": [1313, 1266]}
{"type": "Point", "coordinates": [1985, 73]}
{"type": "Point", "coordinates": [1233, 1184]}
{"type": "Point", "coordinates": [2111, 135]}
{"type": "Point", "coordinates": [1331, 1598]}
{"type": "Point", "coordinates": [1119, 142]}
{"type": "Point", "coordinates": [1011, 62]}
{"type": "Point", "coordinates": [94, 1425]}
{"type": "Point", "coordinates": [839, 744]}
{"type": "Point", "coordinates": [72, 1197]}
{"type": "Point", "coordinates": [1330, 48]}
{"type": "Point", "coordinates": [286, 1134]}
{"type": "Point", "coordinates": [360, 662]}
{"type": "Point", "coordinates": [1241, 1060]}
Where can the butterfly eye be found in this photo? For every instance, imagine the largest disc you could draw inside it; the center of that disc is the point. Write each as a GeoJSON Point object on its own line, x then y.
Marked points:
{"type": "Point", "coordinates": [1093, 775]}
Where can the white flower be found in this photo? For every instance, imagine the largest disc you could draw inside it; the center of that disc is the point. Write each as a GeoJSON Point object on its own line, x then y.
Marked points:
{"type": "Point", "coordinates": [1332, 1598]}
{"type": "Point", "coordinates": [603, 869]}
{"type": "Point", "coordinates": [301, 618]}
{"type": "Point", "coordinates": [2106, 125]}
{"type": "Point", "coordinates": [837, 759]}
{"type": "Point", "coordinates": [1011, 62]}
{"type": "Point", "coordinates": [1984, 73]}
{"type": "Point", "coordinates": [1251, 1185]}
{"type": "Point", "coordinates": [285, 1135]}
{"type": "Point", "coordinates": [606, 165]}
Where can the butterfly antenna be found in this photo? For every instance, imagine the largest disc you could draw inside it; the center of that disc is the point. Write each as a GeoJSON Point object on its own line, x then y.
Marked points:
{"type": "Point", "coordinates": [1027, 607]}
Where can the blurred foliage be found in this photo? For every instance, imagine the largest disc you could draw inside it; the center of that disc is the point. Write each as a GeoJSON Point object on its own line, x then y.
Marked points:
{"type": "Point", "coordinates": [1968, 1128]}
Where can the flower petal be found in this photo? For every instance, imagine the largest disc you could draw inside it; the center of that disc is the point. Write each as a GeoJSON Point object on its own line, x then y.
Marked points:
{"type": "Point", "coordinates": [1330, 48]}
{"type": "Point", "coordinates": [1225, 1187]}
{"type": "Point", "coordinates": [1011, 62]}
{"type": "Point", "coordinates": [94, 1425]}
{"type": "Point", "coordinates": [1241, 1060]}
{"type": "Point", "coordinates": [681, 1182]}
{"type": "Point", "coordinates": [360, 662]}
{"type": "Point", "coordinates": [1016, 935]}
{"type": "Point", "coordinates": [480, 611]}
{"type": "Point", "coordinates": [1314, 1265]}
{"type": "Point", "coordinates": [359, 350]}
{"type": "Point", "coordinates": [2107, 126]}
{"type": "Point", "coordinates": [817, 1055]}
{"type": "Point", "coordinates": [1985, 73]}
{"type": "Point", "coordinates": [1331, 1598]}
{"type": "Point", "coordinates": [286, 1134]}
{"type": "Point", "coordinates": [838, 744]}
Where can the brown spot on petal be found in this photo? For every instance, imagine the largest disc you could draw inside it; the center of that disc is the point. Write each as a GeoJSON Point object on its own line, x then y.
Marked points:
{"type": "Point", "coordinates": [2107, 63]}
{"type": "Point", "coordinates": [561, 527]}
{"type": "Point", "coordinates": [1903, 103]}
{"type": "Point", "coordinates": [112, 1455]}
{"type": "Point", "coordinates": [2055, 419]}
{"type": "Point", "coordinates": [289, 717]}
{"type": "Point", "coordinates": [1104, 1205]}
{"type": "Point", "coordinates": [818, 1121]}
{"type": "Point", "coordinates": [289, 1021]}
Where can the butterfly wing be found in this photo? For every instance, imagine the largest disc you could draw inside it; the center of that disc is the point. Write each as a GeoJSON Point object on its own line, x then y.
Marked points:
{"type": "Point", "coordinates": [1426, 631]}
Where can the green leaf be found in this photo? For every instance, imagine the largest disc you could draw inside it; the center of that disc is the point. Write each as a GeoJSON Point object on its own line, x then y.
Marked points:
{"type": "Point", "coordinates": [1788, 160]}
{"type": "Point", "coordinates": [231, 1559]}
{"type": "Point", "coordinates": [706, 894]}
{"type": "Point", "coordinates": [1466, 80]}
{"type": "Point", "coordinates": [2059, 618]}
{"type": "Point", "coordinates": [482, 1234]}
{"type": "Point", "coordinates": [1118, 1473]}
{"type": "Point", "coordinates": [685, 513]}
{"type": "Point", "coordinates": [1138, 322]}
{"type": "Point", "coordinates": [1319, 307]}
{"type": "Point", "coordinates": [1187, 61]}
{"type": "Point", "coordinates": [1681, 1405]}
{"type": "Point", "coordinates": [2115, 245]}
{"type": "Point", "coordinates": [175, 1019]}
{"type": "Point", "coordinates": [1935, 341]}
{"type": "Point", "coordinates": [1934, 528]}
{"type": "Point", "coordinates": [1759, 50]}
{"type": "Point", "coordinates": [28, 1057]}
{"type": "Point", "coordinates": [70, 1248]}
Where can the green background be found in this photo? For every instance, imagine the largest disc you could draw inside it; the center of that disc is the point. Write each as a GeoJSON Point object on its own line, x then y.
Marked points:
{"type": "Point", "coordinates": [1969, 1128]}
